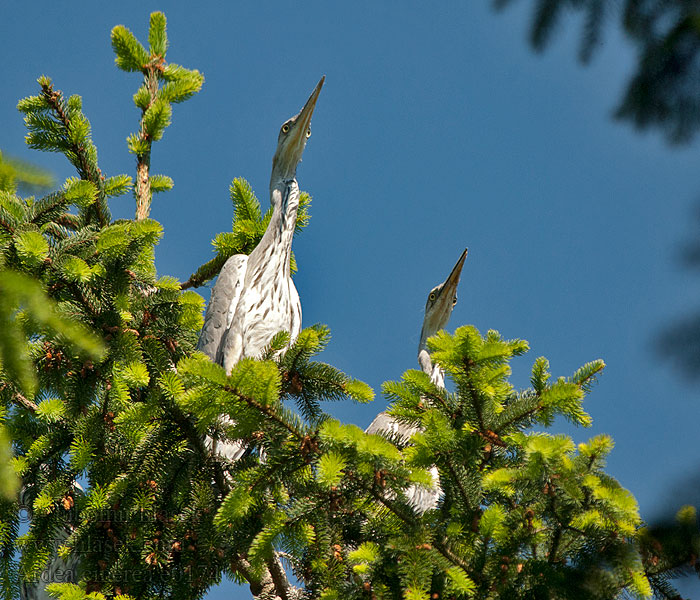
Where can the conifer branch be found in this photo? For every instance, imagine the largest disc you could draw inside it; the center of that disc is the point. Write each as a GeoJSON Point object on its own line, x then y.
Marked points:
{"type": "Point", "coordinates": [439, 546]}
{"type": "Point", "coordinates": [265, 586]}
{"type": "Point", "coordinates": [191, 282]}
{"type": "Point", "coordinates": [279, 577]}
{"type": "Point", "coordinates": [67, 221]}
{"type": "Point", "coordinates": [457, 480]}
{"type": "Point", "coordinates": [207, 271]}
{"type": "Point", "coordinates": [20, 399]}
{"type": "Point", "coordinates": [264, 410]}
{"type": "Point", "coordinates": [447, 552]}
{"type": "Point", "coordinates": [267, 476]}
{"type": "Point", "coordinates": [154, 101]}
{"type": "Point", "coordinates": [411, 520]}
{"type": "Point", "coordinates": [6, 226]}
{"type": "Point", "coordinates": [555, 545]}
{"type": "Point", "coordinates": [94, 313]}
{"type": "Point", "coordinates": [116, 329]}
{"type": "Point", "coordinates": [86, 170]}
{"type": "Point", "coordinates": [564, 547]}
{"type": "Point", "coordinates": [556, 538]}
{"type": "Point", "coordinates": [468, 363]}
{"type": "Point", "coordinates": [520, 417]}
{"type": "Point", "coordinates": [407, 518]}
{"type": "Point", "coordinates": [193, 437]}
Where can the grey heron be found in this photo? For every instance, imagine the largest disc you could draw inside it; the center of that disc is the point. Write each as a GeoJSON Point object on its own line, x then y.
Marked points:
{"type": "Point", "coordinates": [254, 297]}
{"type": "Point", "coordinates": [438, 309]}
{"type": "Point", "coordinates": [57, 570]}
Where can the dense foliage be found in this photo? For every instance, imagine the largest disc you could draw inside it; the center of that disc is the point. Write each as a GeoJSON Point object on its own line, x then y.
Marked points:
{"type": "Point", "coordinates": [107, 404]}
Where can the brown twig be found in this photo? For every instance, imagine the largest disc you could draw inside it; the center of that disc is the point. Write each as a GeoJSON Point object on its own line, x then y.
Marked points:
{"type": "Point", "coordinates": [260, 587]}
{"type": "Point", "coordinates": [279, 577]}
{"type": "Point", "coordinates": [207, 271]}
{"type": "Point", "coordinates": [193, 281]}
{"type": "Point", "coordinates": [142, 188]}
{"type": "Point", "coordinates": [6, 226]}
{"type": "Point", "coordinates": [21, 400]}
{"type": "Point", "coordinates": [265, 410]}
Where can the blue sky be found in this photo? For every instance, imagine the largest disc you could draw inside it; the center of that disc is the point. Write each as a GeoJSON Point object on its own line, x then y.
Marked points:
{"type": "Point", "coordinates": [437, 129]}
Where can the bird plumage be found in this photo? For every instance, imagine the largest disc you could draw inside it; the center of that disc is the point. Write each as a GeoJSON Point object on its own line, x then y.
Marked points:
{"type": "Point", "coordinates": [268, 300]}
{"type": "Point", "coordinates": [438, 309]}
{"type": "Point", "coordinates": [254, 297]}
{"type": "Point", "coordinates": [221, 307]}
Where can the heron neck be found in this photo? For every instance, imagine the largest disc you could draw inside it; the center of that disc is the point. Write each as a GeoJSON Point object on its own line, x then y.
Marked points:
{"type": "Point", "coordinates": [426, 362]}
{"type": "Point", "coordinates": [274, 249]}
{"type": "Point", "coordinates": [426, 365]}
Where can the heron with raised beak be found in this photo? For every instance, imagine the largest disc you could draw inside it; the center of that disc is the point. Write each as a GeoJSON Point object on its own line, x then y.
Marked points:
{"type": "Point", "coordinates": [438, 309]}
{"type": "Point", "coordinates": [254, 297]}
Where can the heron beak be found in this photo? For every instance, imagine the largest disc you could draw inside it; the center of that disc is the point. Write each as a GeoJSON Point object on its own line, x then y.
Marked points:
{"type": "Point", "coordinates": [291, 147]}
{"type": "Point", "coordinates": [453, 278]}
{"type": "Point", "coordinates": [445, 301]}
{"type": "Point", "coordinates": [306, 112]}
{"type": "Point", "coordinates": [298, 134]}
{"type": "Point", "coordinates": [447, 292]}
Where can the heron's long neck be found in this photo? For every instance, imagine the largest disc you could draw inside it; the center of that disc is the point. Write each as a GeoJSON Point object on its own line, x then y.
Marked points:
{"type": "Point", "coordinates": [274, 249]}
{"type": "Point", "coordinates": [424, 360]}
{"type": "Point", "coordinates": [426, 364]}
{"type": "Point", "coordinates": [428, 330]}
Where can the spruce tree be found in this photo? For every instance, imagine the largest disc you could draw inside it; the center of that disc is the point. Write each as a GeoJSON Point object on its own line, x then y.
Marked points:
{"type": "Point", "coordinates": [101, 385]}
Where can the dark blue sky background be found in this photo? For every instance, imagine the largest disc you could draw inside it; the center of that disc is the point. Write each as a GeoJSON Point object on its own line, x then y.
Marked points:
{"type": "Point", "coordinates": [437, 129]}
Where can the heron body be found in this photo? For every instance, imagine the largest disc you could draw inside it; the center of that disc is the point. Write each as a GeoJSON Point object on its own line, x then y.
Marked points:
{"type": "Point", "coordinates": [254, 297]}
{"type": "Point", "coordinates": [268, 301]}
{"type": "Point", "coordinates": [438, 309]}
{"type": "Point", "coordinates": [58, 570]}
{"type": "Point", "coordinates": [224, 295]}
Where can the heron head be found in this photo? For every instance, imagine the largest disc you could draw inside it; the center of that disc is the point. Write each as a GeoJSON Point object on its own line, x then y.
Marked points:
{"type": "Point", "coordinates": [441, 300]}
{"type": "Point", "coordinates": [292, 139]}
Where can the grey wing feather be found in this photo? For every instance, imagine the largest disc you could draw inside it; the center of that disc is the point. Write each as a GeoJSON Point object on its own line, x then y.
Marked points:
{"type": "Point", "coordinates": [388, 427]}
{"type": "Point", "coordinates": [222, 304]}
{"type": "Point", "coordinates": [231, 450]}
{"type": "Point", "coordinates": [380, 423]}
{"type": "Point", "coordinates": [420, 498]}
{"type": "Point", "coordinates": [217, 320]}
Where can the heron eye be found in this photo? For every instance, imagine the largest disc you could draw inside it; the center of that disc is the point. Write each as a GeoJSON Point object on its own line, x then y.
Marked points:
{"type": "Point", "coordinates": [454, 300]}
{"type": "Point", "coordinates": [308, 132]}
{"type": "Point", "coordinates": [432, 296]}
{"type": "Point", "coordinates": [285, 128]}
